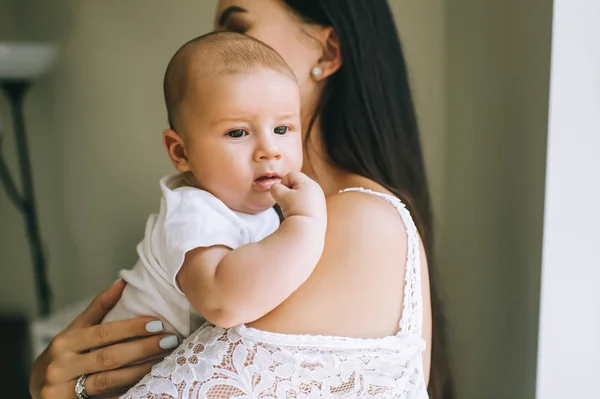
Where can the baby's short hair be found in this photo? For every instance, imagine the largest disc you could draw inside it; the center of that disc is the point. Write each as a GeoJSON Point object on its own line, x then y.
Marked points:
{"type": "Point", "coordinates": [216, 53]}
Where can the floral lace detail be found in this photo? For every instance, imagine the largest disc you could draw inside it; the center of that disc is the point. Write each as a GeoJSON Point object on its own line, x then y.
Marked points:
{"type": "Point", "coordinates": [217, 363]}
{"type": "Point", "coordinates": [244, 363]}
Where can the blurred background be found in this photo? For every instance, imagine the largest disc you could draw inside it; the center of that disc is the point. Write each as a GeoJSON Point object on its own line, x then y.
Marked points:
{"type": "Point", "coordinates": [480, 71]}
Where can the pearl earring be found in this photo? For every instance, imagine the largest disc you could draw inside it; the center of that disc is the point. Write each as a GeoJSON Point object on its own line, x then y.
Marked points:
{"type": "Point", "coordinates": [316, 72]}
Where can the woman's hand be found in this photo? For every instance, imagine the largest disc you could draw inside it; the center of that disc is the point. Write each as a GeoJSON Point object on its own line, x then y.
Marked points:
{"type": "Point", "coordinates": [68, 356]}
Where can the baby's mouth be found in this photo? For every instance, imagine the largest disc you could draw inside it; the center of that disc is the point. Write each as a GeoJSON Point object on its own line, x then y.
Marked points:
{"type": "Point", "coordinates": [265, 182]}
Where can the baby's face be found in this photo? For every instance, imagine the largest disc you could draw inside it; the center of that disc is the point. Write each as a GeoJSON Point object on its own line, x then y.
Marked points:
{"type": "Point", "coordinates": [242, 135]}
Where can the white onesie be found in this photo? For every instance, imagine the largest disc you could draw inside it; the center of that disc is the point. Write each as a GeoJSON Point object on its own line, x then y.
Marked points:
{"type": "Point", "coordinates": [189, 218]}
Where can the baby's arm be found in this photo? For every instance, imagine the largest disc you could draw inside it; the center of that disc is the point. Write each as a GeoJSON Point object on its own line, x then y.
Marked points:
{"type": "Point", "coordinates": [230, 287]}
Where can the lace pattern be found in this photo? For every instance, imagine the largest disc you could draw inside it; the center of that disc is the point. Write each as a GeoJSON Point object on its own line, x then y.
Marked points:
{"type": "Point", "coordinates": [216, 363]}
{"type": "Point", "coordinates": [242, 362]}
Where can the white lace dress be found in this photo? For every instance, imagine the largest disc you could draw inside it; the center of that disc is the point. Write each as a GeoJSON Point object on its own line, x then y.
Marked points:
{"type": "Point", "coordinates": [243, 362]}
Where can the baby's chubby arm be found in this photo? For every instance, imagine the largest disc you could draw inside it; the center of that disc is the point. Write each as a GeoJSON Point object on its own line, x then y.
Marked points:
{"type": "Point", "coordinates": [230, 287]}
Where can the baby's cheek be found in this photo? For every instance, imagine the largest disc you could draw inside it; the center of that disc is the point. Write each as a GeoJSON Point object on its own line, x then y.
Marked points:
{"type": "Point", "coordinates": [295, 156]}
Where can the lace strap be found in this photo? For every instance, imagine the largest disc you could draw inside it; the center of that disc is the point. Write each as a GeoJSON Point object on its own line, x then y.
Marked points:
{"type": "Point", "coordinates": [412, 306]}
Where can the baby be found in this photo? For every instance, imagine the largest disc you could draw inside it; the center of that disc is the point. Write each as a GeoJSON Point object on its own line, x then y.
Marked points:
{"type": "Point", "coordinates": [216, 250]}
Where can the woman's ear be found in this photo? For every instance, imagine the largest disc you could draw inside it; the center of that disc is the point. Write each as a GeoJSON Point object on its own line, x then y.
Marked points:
{"type": "Point", "coordinates": [176, 149]}
{"type": "Point", "coordinates": [331, 59]}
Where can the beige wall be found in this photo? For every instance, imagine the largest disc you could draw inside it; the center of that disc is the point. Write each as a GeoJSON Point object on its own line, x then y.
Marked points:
{"type": "Point", "coordinates": [497, 79]}
{"type": "Point", "coordinates": [16, 284]}
{"type": "Point", "coordinates": [94, 127]}
{"type": "Point", "coordinates": [481, 93]}
{"type": "Point", "coordinates": [421, 26]}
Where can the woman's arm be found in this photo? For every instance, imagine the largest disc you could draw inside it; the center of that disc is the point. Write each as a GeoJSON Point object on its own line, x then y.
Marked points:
{"type": "Point", "coordinates": [67, 357]}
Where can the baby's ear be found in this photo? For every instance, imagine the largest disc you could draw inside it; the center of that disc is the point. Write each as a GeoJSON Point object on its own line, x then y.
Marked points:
{"type": "Point", "coordinates": [176, 149]}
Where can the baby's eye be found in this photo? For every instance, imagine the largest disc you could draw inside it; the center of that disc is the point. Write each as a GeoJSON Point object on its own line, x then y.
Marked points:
{"type": "Point", "coordinates": [281, 130]}
{"type": "Point", "coordinates": [237, 133]}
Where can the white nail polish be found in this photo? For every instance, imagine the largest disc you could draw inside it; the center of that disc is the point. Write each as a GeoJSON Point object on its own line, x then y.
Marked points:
{"type": "Point", "coordinates": [154, 326]}
{"type": "Point", "coordinates": [169, 342]}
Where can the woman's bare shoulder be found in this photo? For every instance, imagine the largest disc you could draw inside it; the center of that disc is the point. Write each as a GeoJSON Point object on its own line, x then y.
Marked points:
{"type": "Point", "coordinates": [360, 274]}
{"type": "Point", "coordinates": [359, 206]}
{"type": "Point", "coordinates": [363, 227]}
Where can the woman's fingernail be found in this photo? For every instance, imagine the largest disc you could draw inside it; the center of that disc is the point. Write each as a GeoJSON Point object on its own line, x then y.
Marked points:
{"type": "Point", "coordinates": [154, 326]}
{"type": "Point", "coordinates": [169, 342]}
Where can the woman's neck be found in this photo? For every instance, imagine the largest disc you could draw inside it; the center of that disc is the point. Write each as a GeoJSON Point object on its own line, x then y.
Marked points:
{"type": "Point", "coordinates": [317, 166]}
{"type": "Point", "coordinates": [331, 178]}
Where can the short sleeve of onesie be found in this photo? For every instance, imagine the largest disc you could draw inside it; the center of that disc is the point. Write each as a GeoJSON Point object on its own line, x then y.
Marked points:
{"type": "Point", "coordinates": [193, 218]}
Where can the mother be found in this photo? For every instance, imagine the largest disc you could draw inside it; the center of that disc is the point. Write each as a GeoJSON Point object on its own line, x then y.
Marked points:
{"type": "Point", "coordinates": [361, 131]}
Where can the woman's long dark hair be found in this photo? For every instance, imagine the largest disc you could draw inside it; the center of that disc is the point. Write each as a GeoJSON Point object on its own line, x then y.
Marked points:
{"type": "Point", "coordinates": [369, 125]}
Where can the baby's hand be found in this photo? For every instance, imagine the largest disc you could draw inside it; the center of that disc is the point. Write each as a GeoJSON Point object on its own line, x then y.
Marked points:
{"type": "Point", "coordinates": [298, 195]}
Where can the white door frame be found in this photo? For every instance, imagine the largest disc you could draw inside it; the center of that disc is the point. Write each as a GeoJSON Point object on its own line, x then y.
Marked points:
{"type": "Point", "coordinates": [569, 334]}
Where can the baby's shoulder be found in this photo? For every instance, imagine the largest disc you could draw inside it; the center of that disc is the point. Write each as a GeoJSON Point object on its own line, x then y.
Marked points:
{"type": "Point", "coordinates": [183, 199]}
